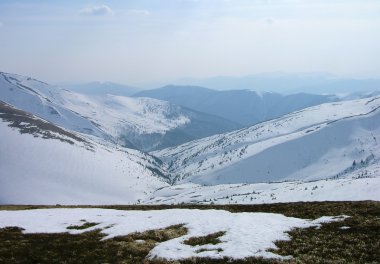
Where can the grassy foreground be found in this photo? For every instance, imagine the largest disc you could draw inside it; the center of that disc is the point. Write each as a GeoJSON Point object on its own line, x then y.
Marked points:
{"type": "Point", "coordinates": [360, 243]}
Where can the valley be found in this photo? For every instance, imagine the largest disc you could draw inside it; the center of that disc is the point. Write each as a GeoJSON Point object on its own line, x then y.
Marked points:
{"type": "Point", "coordinates": [85, 149]}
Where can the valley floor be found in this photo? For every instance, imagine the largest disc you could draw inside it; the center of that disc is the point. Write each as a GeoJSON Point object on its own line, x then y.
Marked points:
{"type": "Point", "coordinates": [314, 232]}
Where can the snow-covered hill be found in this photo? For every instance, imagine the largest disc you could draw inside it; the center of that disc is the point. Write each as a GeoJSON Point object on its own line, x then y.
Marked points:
{"type": "Point", "coordinates": [320, 142]}
{"type": "Point", "coordinates": [143, 123]}
{"type": "Point", "coordinates": [41, 163]}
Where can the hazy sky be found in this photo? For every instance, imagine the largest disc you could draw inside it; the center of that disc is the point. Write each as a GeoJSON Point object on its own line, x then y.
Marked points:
{"type": "Point", "coordinates": [141, 41]}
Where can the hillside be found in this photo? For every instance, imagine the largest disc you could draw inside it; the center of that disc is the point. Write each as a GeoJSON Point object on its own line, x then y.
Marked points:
{"type": "Point", "coordinates": [44, 164]}
{"type": "Point", "coordinates": [359, 185]}
{"type": "Point", "coordinates": [320, 142]}
{"type": "Point", "coordinates": [44, 101]}
{"type": "Point", "coordinates": [145, 122]}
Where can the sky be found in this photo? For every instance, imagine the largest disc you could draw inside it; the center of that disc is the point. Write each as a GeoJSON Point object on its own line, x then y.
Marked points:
{"type": "Point", "coordinates": [138, 42]}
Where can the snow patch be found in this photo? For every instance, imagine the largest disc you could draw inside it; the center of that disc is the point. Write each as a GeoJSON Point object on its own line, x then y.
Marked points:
{"type": "Point", "coordinates": [246, 234]}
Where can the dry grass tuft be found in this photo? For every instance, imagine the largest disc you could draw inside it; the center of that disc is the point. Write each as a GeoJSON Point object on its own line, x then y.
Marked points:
{"type": "Point", "coordinates": [204, 240]}
{"type": "Point", "coordinates": [85, 225]}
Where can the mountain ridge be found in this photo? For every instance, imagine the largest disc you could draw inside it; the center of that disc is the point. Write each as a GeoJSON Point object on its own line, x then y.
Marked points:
{"type": "Point", "coordinates": [142, 123]}
{"type": "Point", "coordinates": [243, 106]}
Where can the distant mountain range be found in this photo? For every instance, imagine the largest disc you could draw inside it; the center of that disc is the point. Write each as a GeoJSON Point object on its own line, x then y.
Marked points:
{"type": "Point", "coordinates": [287, 83]}
{"type": "Point", "coordinates": [242, 106]}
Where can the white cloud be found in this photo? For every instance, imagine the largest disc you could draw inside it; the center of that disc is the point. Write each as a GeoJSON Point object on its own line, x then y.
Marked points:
{"type": "Point", "coordinates": [100, 10]}
{"type": "Point", "coordinates": [142, 12]}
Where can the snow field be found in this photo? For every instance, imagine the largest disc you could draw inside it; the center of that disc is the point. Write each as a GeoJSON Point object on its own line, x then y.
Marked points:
{"type": "Point", "coordinates": [360, 185]}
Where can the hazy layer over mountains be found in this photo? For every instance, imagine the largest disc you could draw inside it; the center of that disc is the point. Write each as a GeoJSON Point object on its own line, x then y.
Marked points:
{"type": "Point", "coordinates": [102, 88]}
{"type": "Point", "coordinates": [287, 83]}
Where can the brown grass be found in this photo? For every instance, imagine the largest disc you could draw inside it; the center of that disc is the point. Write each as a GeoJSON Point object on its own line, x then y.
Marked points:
{"type": "Point", "coordinates": [85, 225]}
{"type": "Point", "coordinates": [204, 240]}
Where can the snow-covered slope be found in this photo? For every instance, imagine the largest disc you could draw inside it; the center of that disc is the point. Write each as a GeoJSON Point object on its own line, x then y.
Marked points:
{"type": "Point", "coordinates": [143, 123]}
{"type": "Point", "coordinates": [127, 119]}
{"type": "Point", "coordinates": [360, 184]}
{"type": "Point", "coordinates": [41, 163]}
{"type": "Point", "coordinates": [320, 142]}
{"type": "Point", "coordinates": [42, 100]}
